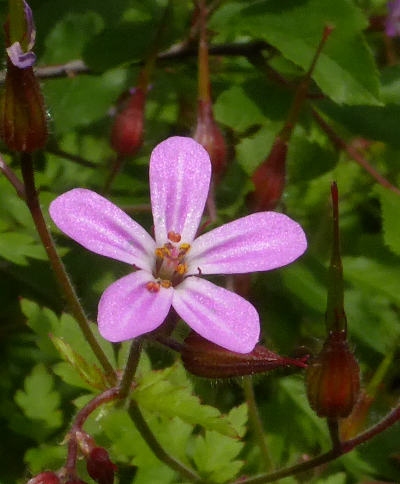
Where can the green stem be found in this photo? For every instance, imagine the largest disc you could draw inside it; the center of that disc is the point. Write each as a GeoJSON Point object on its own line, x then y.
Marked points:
{"type": "Point", "coordinates": [130, 369]}
{"type": "Point", "coordinates": [334, 432]}
{"type": "Point", "coordinates": [68, 290]}
{"type": "Point", "coordinates": [255, 422]}
{"type": "Point", "coordinates": [155, 446]}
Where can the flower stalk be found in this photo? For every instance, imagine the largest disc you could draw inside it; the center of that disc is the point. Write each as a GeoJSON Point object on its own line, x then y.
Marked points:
{"type": "Point", "coordinates": [269, 179]}
{"type": "Point", "coordinates": [58, 267]}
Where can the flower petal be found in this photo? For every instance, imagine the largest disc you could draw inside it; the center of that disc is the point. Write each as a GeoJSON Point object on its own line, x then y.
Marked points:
{"type": "Point", "coordinates": [128, 309]}
{"type": "Point", "coordinates": [102, 227]}
{"type": "Point", "coordinates": [258, 242]}
{"type": "Point", "coordinates": [180, 172]}
{"type": "Point", "coordinates": [218, 315]}
{"type": "Point", "coordinates": [19, 58]}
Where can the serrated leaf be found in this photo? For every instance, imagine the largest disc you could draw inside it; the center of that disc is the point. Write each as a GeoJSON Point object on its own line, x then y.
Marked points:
{"type": "Point", "coordinates": [215, 456]}
{"type": "Point", "coordinates": [390, 206]}
{"type": "Point", "coordinates": [90, 373]}
{"type": "Point", "coordinates": [38, 400]}
{"type": "Point", "coordinates": [45, 457]}
{"type": "Point", "coordinates": [345, 70]}
{"type": "Point", "coordinates": [169, 393]}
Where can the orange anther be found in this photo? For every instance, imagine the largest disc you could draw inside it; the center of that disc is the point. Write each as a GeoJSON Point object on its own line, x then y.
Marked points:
{"type": "Point", "coordinates": [174, 237]}
{"type": "Point", "coordinates": [181, 269]}
{"type": "Point", "coordinates": [153, 286]}
{"type": "Point", "coordinates": [165, 283]}
{"type": "Point", "coordinates": [159, 253]}
{"type": "Point", "coordinates": [184, 248]}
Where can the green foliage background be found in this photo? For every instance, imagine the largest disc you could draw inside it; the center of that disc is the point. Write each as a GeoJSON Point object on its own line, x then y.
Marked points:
{"type": "Point", "coordinates": [361, 99]}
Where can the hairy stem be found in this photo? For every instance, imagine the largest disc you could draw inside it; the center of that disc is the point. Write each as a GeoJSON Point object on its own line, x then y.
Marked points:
{"type": "Point", "coordinates": [68, 290]}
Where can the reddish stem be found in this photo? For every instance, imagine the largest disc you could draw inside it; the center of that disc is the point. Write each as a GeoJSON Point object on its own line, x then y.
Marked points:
{"type": "Point", "coordinates": [353, 153]}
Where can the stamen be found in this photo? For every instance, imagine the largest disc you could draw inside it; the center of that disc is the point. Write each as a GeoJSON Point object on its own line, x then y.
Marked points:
{"type": "Point", "coordinates": [159, 253]}
{"type": "Point", "coordinates": [181, 269]}
{"type": "Point", "coordinates": [184, 247]}
{"type": "Point", "coordinates": [153, 286]}
{"type": "Point", "coordinates": [165, 283]}
{"type": "Point", "coordinates": [174, 237]}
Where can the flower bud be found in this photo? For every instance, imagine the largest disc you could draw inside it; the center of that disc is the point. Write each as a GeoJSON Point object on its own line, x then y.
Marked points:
{"type": "Point", "coordinates": [203, 358]}
{"type": "Point", "coordinates": [45, 478]}
{"type": "Point", "coordinates": [333, 378]}
{"type": "Point", "coordinates": [23, 124]}
{"type": "Point", "coordinates": [127, 131]}
{"type": "Point", "coordinates": [269, 178]}
{"type": "Point", "coordinates": [99, 466]}
{"type": "Point", "coordinates": [210, 137]}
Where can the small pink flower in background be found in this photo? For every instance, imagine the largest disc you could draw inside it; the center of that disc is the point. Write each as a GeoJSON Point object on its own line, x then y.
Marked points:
{"type": "Point", "coordinates": [169, 266]}
{"type": "Point", "coordinates": [392, 26]}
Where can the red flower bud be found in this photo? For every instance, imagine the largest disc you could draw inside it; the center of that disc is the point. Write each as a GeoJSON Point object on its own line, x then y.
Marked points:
{"type": "Point", "coordinates": [333, 378]}
{"type": "Point", "coordinates": [99, 466]}
{"type": "Point", "coordinates": [269, 179]}
{"type": "Point", "coordinates": [210, 137]}
{"type": "Point", "coordinates": [203, 358]}
{"type": "Point", "coordinates": [45, 478]}
{"type": "Point", "coordinates": [23, 124]}
{"type": "Point", "coordinates": [127, 131]}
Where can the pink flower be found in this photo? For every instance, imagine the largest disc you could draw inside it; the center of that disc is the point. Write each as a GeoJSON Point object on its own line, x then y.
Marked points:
{"type": "Point", "coordinates": [169, 266]}
{"type": "Point", "coordinates": [393, 19]}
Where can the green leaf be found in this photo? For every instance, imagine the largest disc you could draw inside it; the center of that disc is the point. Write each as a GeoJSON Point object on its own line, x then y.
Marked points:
{"type": "Point", "coordinates": [373, 276]}
{"type": "Point", "coordinates": [345, 70]}
{"type": "Point", "coordinates": [38, 400]}
{"type": "Point", "coordinates": [300, 280]}
{"type": "Point", "coordinates": [122, 45]}
{"type": "Point", "coordinates": [81, 101]}
{"type": "Point", "coordinates": [16, 247]}
{"type": "Point", "coordinates": [372, 122]}
{"type": "Point", "coordinates": [372, 319]}
{"type": "Point", "coordinates": [236, 110]}
{"type": "Point", "coordinates": [169, 393]}
{"type": "Point", "coordinates": [252, 151]}
{"type": "Point", "coordinates": [390, 79]}
{"type": "Point", "coordinates": [90, 373]}
{"type": "Point", "coordinates": [339, 478]}
{"type": "Point", "coordinates": [215, 456]}
{"type": "Point", "coordinates": [390, 206]}
{"type": "Point", "coordinates": [45, 457]}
